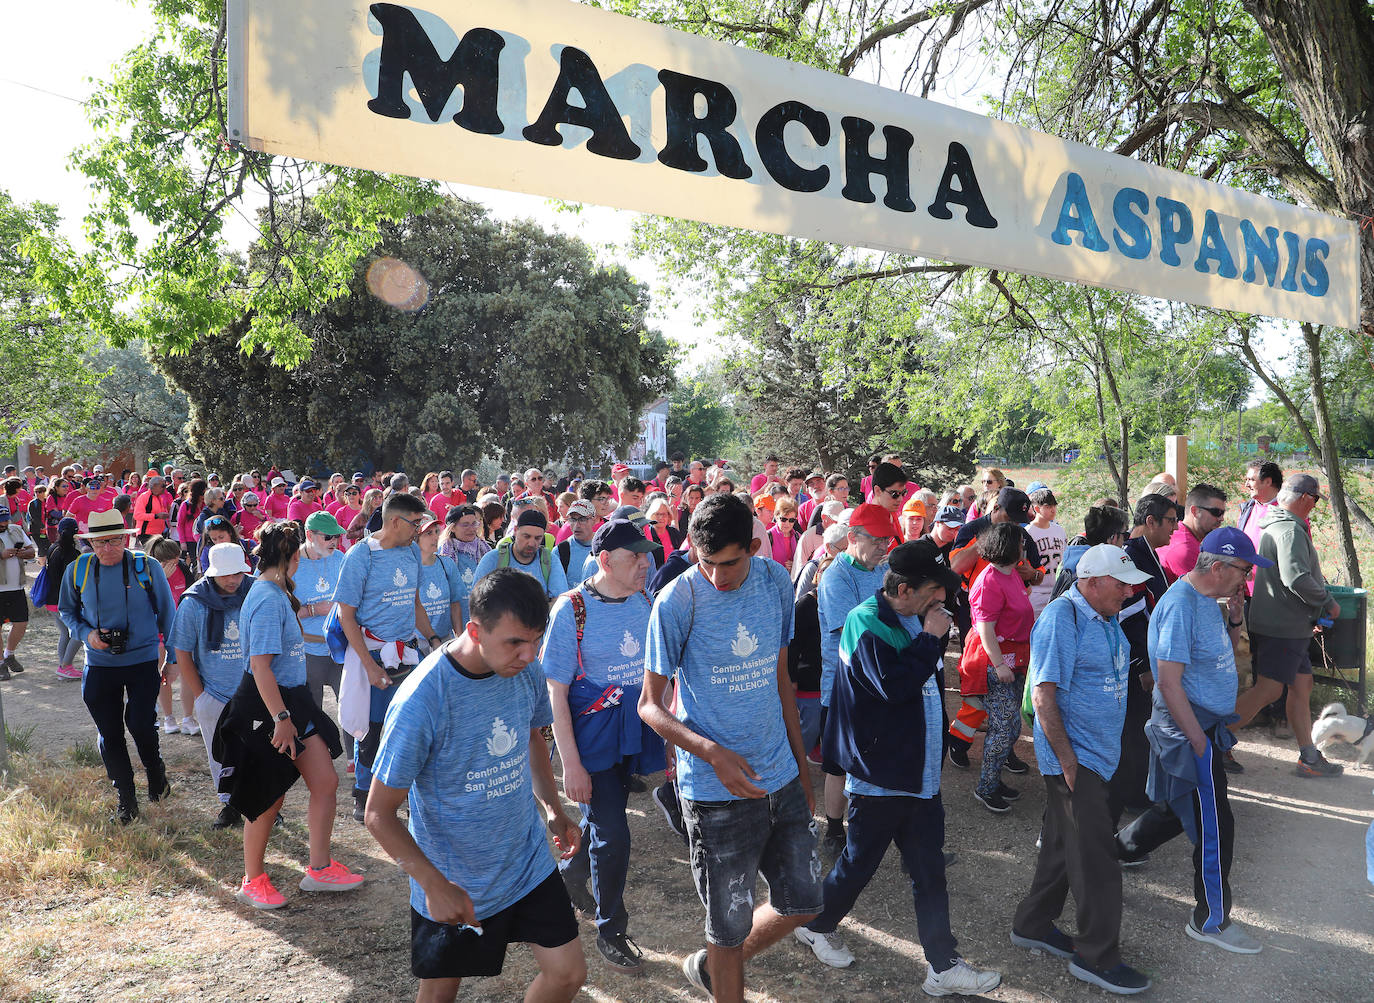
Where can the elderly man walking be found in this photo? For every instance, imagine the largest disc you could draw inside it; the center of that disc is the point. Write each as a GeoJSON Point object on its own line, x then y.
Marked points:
{"type": "Point", "coordinates": [1080, 676]}
{"type": "Point", "coordinates": [1192, 648]}
{"type": "Point", "coordinates": [1290, 596]}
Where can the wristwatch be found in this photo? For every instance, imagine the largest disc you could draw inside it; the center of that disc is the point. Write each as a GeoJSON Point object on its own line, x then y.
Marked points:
{"type": "Point", "coordinates": [283, 715]}
{"type": "Point", "coordinates": [433, 638]}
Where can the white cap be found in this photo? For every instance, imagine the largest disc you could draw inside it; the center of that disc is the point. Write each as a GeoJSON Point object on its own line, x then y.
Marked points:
{"type": "Point", "coordinates": [832, 508]}
{"type": "Point", "coordinates": [843, 518]}
{"type": "Point", "coordinates": [227, 559]}
{"type": "Point", "coordinates": [278, 482]}
{"type": "Point", "coordinates": [1107, 561]}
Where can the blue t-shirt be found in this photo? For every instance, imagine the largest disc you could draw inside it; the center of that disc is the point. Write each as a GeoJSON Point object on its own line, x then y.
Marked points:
{"type": "Point", "coordinates": [271, 628]}
{"type": "Point", "coordinates": [1087, 659]}
{"type": "Point", "coordinates": [724, 648]}
{"type": "Point", "coordinates": [221, 670]}
{"type": "Point", "coordinates": [461, 746]}
{"type": "Point", "coordinates": [556, 585]}
{"type": "Point", "coordinates": [577, 560]}
{"type": "Point", "coordinates": [466, 578]}
{"type": "Point", "coordinates": [1188, 627]}
{"type": "Point", "coordinates": [316, 581]}
{"type": "Point", "coordinates": [381, 585]}
{"type": "Point", "coordinates": [612, 640]}
{"type": "Point", "coordinates": [933, 707]}
{"type": "Point", "coordinates": [843, 586]}
{"type": "Point", "coordinates": [439, 583]}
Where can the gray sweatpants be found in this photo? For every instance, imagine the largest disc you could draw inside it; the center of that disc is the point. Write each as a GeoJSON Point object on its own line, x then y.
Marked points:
{"type": "Point", "coordinates": [207, 710]}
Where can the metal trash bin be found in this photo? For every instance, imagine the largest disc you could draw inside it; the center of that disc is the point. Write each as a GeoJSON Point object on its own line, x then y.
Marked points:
{"type": "Point", "coordinates": [1338, 652]}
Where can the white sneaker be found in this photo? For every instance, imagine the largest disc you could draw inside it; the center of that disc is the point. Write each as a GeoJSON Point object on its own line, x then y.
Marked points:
{"type": "Point", "coordinates": [826, 946]}
{"type": "Point", "coordinates": [961, 980]}
{"type": "Point", "coordinates": [170, 726]}
{"type": "Point", "coordinates": [190, 726]}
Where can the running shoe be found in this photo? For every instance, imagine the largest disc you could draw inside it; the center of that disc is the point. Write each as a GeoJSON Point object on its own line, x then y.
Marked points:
{"type": "Point", "coordinates": [665, 796]}
{"type": "Point", "coordinates": [259, 893]}
{"type": "Point", "coordinates": [1318, 767]}
{"type": "Point", "coordinates": [993, 802]}
{"type": "Point", "coordinates": [621, 953]}
{"type": "Point", "coordinates": [170, 725]}
{"type": "Point", "coordinates": [961, 980]}
{"type": "Point", "coordinates": [1121, 978]}
{"type": "Point", "coordinates": [1056, 942]}
{"type": "Point", "coordinates": [694, 967]}
{"type": "Point", "coordinates": [1015, 764]}
{"type": "Point", "coordinates": [190, 726]}
{"type": "Point", "coordinates": [826, 946]}
{"type": "Point", "coordinates": [69, 672]}
{"type": "Point", "coordinates": [13, 665]}
{"type": "Point", "coordinates": [1232, 938]}
{"type": "Point", "coordinates": [228, 818]}
{"type": "Point", "coordinates": [334, 878]}
{"type": "Point", "coordinates": [958, 756]}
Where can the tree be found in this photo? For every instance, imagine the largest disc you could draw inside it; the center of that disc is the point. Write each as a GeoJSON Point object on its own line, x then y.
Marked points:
{"type": "Point", "coordinates": [166, 178]}
{"type": "Point", "coordinates": [49, 388]}
{"type": "Point", "coordinates": [137, 409]}
{"type": "Point", "coordinates": [701, 420]}
{"type": "Point", "coordinates": [461, 337]}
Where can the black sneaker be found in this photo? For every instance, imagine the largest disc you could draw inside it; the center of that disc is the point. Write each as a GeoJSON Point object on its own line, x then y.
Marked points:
{"type": "Point", "coordinates": [667, 800]}
{"type": "Point", "coordinates": [1229, 763]}
{"type": "Point", "coordinates": [834, 843]}
{"type": "Point", "coordinates": [1121, 979]}
{"type": "Point", "coordinates": [621, 953]}
{"type": "Point", "coordinates": [993, 802]}
{"type": "Point", "coordinates": [228, 818]}
{"type": "Point", "coordinates": [958, 756]}
{"type": "Point", "coordinates": [13, 665]}
{"type": "Point", "coordinates": [1056, 942]}
{"type": "Point", "coordinates": [1015, 764]}
{"type": "Point", "coordinates": [694, 967]}
{"type": "Point", "coordinates": [159, 789]}
{"type": "Point", "coordinates": [359, 805]}
{"type": "Point", "coordinates": [581, 897]}
{"type": "Point", "coordinates": [127, 809]}
{"type": "Point", "coordinates": [1318, 767]}
{"type": "Point", "coordinates": [4, 673]}
{"type": "Point", "coordinates": [1007, 792]}
{"type": "Point", "coordinates": [636, 784]}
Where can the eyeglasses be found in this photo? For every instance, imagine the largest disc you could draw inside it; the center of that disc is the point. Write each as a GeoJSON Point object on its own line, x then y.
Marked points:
{"type": "Point", "coordinates": [412, 523]}
{"type": "Point", "coordinates": [110, 544]}
{"type": "Point", "coordinates": [1244, 566]}
{"type": "Point", "coordinates": [1219, 513]}
{"type": "Point", "coordinates": [579, 518]}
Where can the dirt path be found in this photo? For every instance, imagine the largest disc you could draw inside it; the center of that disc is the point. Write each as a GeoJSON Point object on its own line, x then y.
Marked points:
{"type": "Point", "coordinates": [1298, 879]}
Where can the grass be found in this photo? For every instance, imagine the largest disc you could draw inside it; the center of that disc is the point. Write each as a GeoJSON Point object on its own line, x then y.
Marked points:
{"type": "Point", "coordinates": [20, 739]}
{"type": "Point", "coordinates": [84, 753]}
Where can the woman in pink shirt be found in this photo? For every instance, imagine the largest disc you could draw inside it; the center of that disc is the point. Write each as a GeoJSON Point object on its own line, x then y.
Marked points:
{"type": "Point", "coordinates": [782, 535]}
{"type": "Point", "coordinates": [997, 654]}
{"type": "Point", "coordinates": [186, 518]}
{"type": "Point", "coordinates": [247, 519]}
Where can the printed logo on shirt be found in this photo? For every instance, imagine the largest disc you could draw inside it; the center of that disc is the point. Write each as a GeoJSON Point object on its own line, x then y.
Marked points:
{"type": "Point", "coordinates": [745, 643]}
{"type": "Point", "coordinates": [629, 647]}
{"type": "Point", "coordinates": [322, 586]}
{"type": "Point", "coordinates": [468, 575]}
{"type": "Point", "coordinates": [502, 739]}
{"type": "Point", "coordinates": [399, 579]}
{"type": "Point", "coordinates": [433, 592]}
{"type": "Point", "coordinates": [231, 630]}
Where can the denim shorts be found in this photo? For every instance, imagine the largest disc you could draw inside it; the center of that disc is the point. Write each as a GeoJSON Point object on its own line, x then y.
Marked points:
{"type": "Point", "coordinates": [732, 842]}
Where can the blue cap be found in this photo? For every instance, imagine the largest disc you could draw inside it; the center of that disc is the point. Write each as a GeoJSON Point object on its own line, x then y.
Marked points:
{"type": "Point", "coordinates": [1035, 486]}
{"type": "Point", "coordinates": [1227, 541]}
{"type": "Point", "coordinates": [4, 513]}
{"type": "Point", "coordinates": [951, 515]}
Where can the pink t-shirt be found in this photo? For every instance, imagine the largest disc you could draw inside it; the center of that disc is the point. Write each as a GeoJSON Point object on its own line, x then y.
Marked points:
{"type": "Point", "coordinates": [439, 503]}
{"type": "Point", "coordinates": [302, 510]}
{"type": "Point", "coordinates": [176, 581]}
{"type": "Point", "coordinates": [276, 505]}
{"type": "Point", "coordinates": [1002, 600]}
{"type": "Point", "coordinates": [784, 548]}
{"type": "Point", "coordinates": [247, 523]}
{"type": "Point", "coordinates": [1179, 555]}
{"type": "Point", "coordinates": [1255, 515]}
{"type": "Point", "coordinates": [81, 508]}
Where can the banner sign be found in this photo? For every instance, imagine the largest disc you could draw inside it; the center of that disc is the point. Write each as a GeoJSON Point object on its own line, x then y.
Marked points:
{"type": "Point", "coordinates": [563, 100]}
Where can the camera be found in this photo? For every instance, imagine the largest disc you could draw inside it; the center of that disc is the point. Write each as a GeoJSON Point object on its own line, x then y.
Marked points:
{"type": "Point", "coordinates": [116, 638]}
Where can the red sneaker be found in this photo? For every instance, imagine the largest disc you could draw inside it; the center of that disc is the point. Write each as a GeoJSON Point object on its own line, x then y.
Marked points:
{"type": "Point", "coordinates": [260, 894]}
{"type": "Point", "coordinates": [334, 878]}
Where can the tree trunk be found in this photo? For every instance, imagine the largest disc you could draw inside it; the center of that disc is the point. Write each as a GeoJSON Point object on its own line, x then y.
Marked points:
{"type": "Point", "coordinates": [1325, 50]}
{"type": "Point", "coordinates": [1330, 455]}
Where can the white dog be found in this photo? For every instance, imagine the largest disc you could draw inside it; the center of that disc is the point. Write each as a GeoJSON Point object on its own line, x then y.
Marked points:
{"type": "Point", "coordinates": [1335, 725]}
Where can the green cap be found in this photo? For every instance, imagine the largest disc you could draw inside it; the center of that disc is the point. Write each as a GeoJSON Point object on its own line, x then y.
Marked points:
{"type": "Point", "coordinates": [323, 522]}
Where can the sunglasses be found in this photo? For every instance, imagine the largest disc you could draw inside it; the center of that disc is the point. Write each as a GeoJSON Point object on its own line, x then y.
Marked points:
{"type": "Point", "coordinates": [786, 518]}
{"type": "Point", "coordinates": [330, 536]}
{"type": "Point", "coordinates": [895, 493]}
{"type": "Point", "coordinates": [1219, 513]}
{"type": "Point", "coordinates": [251, 505]}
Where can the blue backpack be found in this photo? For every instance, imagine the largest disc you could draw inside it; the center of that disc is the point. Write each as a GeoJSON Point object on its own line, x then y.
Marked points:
{"type": "Point", "coordinates": [38, 592]}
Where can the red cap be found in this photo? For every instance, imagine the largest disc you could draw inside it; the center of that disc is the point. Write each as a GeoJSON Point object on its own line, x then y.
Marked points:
{"type": "Point", "coordinates": [620, 468]}
{"type": "Point", "coordinates": [872, 519]}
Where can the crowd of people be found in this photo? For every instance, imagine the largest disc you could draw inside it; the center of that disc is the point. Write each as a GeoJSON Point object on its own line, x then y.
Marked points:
{"type": "Point", "coordinates": [730, 633]}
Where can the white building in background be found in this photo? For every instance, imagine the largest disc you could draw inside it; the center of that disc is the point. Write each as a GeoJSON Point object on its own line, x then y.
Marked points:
{"type": "Point", "coordinates": [652, 442]}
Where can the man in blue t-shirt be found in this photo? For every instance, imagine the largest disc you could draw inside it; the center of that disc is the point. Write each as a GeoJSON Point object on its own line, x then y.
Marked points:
{"type": "Point", "coordinates": [462, 741]}
{"type": "Point", "coordinates": [209, 649]}
{"type": "Point", "coordinates": [722, 629]}
{"type": "Point", "coordinates": [593, 658]}
{"type": "Point", "coordinates": [1192, 646]}
{"type": "Point", "coordinates": [525, 550]}
{"type": "Point", "coordinates": [1079, 676]}
{"type": "Point", "coordinates": [574, 551]}
{"type": "Point", "coordinates": [379, 601]}
{"type": "Point", "coordinates": [855, 575]}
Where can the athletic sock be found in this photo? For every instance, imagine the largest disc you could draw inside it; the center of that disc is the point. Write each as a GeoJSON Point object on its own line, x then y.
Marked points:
{"type": "Point", "coordinates": [1308, 753]}
{"type": "Point", "coordinates": [9, 652]}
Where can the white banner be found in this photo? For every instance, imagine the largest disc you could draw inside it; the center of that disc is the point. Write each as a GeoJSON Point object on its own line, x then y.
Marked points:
{"type": "Point", "coordinates": [558, 99]}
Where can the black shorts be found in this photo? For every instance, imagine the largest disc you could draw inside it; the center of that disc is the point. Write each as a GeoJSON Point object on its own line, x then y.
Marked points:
{"type": "Point", "coordinates": [828, 766]}
{"type": "Point", "coordinates": [1282, 659]}
{"type": "Point", "coordinates": [543, 917]}
{"type": "Point", "coordinates": [14, 606]}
